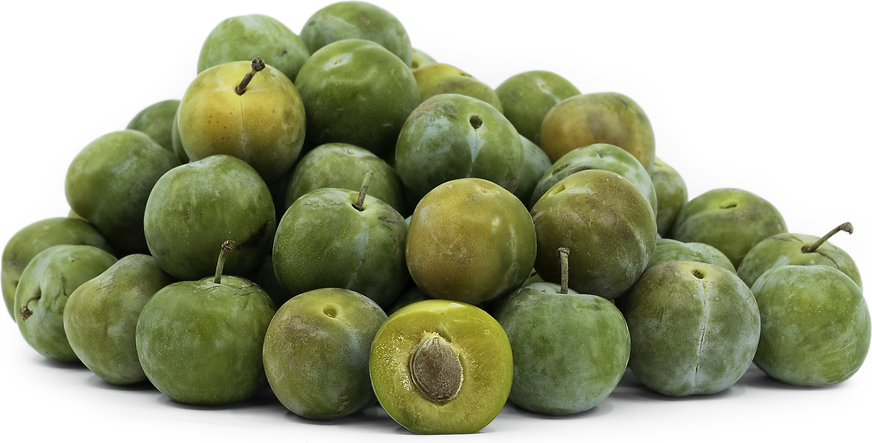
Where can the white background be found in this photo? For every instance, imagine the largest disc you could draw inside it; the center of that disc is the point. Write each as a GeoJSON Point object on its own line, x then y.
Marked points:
{"type": "Point", "coordinates": [771, 97]}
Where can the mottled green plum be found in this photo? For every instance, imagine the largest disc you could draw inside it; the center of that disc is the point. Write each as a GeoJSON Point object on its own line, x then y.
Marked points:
{"type": "Point", "coordinates": [357, 20]}
{"type": "Point", "coordinates": [453, 136]}
{"type": "Point", "coordinates": [201, 342]}
{"type": "Point", "coordinates": [463, 85]}
{"type": "Point", "coordinates": [569, 350]}
{"type": "Point", "coordinates": [441, 367]}
{"type": "Point", "coordinates": [195, 207]}
{"type": "Point", "coordinates": [527, 97]}
{"type": "Point", "coordinates": [109, 181]}
{"type": "Point", "coordinates": [37, 237]}
{"type": "Point", "coordinates": [674, 250]}
{"type": "Point", "coordinates": [316, 353]}
{"type": "Point", "coordinates": [355, 91]}
{"type": "Point", "coordinates": [156, 121]}
{"type": "Point", "coordinates": [815, 325]}
{"type": "Point", "coordinates": [100, 317]}
{"type": "Point", "coordinates": [326, 239]}
{"type": "Point", "coordinates": [798, 249]}
{"type": "Point", "coordinates": [732, 220]}
{"type": "Point", "coordinates": [244, 37]}
{"type": "Point", "coordinates": [341, 165]}
{"type": "Point", "coordinates": [671, 195]}
{"type": "Point", "coordinates": [470, 240]}
{"type": "Point", "coordinates": [426, 77]}
{"type": "Point", "coordinates": [178, 149]}
{"type": "Point", "coordinates": [598, 156]}
{"type": "Point", "coordinates": [535, 164]}
{"type": "Point", "coordinates": [420, 59]}
{"type": "Point", "coordinates": [601, 117]}
{"type": "Point", "coordinates": [694, 328]}
{"type": "Point", "coordinates": [607, 223]}
{"type": "Point", "coordinates": [45, 286]}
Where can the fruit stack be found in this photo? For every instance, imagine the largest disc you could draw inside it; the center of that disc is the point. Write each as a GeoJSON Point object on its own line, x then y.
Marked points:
{"type": "Point", "coordinates": [339, 215]}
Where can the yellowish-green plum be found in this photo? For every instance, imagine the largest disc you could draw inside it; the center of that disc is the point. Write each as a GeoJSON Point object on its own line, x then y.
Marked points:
{"type": "Point", "coordinates": [671, 195]}
{"type": "Point", "coordinates": [426, 77]}
{"type": "Point", "coordinates": [527, 97]}
{"type": "Point", "coordinates": [316, 352]}
{"type": "Point", "coordinates": [156, 121]}
{"type": "Point", "coordinates": [470, 240]}
{"type": "Point", "coordinates": [247, 109]}
{"type": "Point", "coordinates": [420, 59]}
{"type": "Point", "coordinates": [601, 117]}
{"type": "Point", "coordinates": [674, 250]}
{"type": "Point", "coordinates": [441, 367]}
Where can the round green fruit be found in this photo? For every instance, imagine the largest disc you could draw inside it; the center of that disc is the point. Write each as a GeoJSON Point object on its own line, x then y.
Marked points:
{"type": "Point", "coordinates": [245, 37]}
{"type": "Point", "coordinates": [453, 136]}
{"type": "Point", "coordinates": [694, 328]}
{"type": "Point", "coordinates": [470, 240]}
{"type": "Point", "coordinates": [535, 164]}
{"type": "Point", "coordinates": [674, 250]}
{"type": "Point", "coordinates": [156, 121]}
{"type": "Point", "coordinates": [815, 325]}
{"type": "Point", "coordinates": [42, 294]}
{"type": "Point", "coordinates": [357, 20]}
{"type": "Point", "coordinates": [316, 353]}
{"type": "Point", "coordinates": [37, 237]}
{"type": "Point", "coordinates": [569, 350]}
{"type": "Point", "coordinates": [671, 195]}
{"type": "Point", "coordinates": [100, 317]}
{"type": "Point", "coordinates": [441, 367]}
{"type": "Point", "coordinates": [527, 97]}
{"type": "Point", "coordinates": [607, 223]}
{"type": "Point", "coordinates": [109, 181]}
{"type": "Point", "coordinates": [357, 92]}
{"type": "Point", "coordinates": [420, 59]}
{"type": "Point", "coordinates": [195, 207]}
{"type": "Point", "coordinates": [732, 220]}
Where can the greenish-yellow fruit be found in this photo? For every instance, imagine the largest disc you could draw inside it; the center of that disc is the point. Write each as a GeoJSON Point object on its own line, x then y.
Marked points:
{"type": "Point", "coordinates": [357, 20]}
{"type": "Point", "coordinates": [37, 237]}
{"type": "Point", "coordinates": [262, 122]}
{"type": "Point", "coordinates": [602, 117]}
{"type": "Point", "coordinates": [470, 240]}
{"type": "Point", "coordinates": [245, 37]}
{"type": "Point", "coordinates": [316, 353]}
{"type": "Point", "coordinates": [100, 317]}
{"type": "Point", "coordinates": [46, 285]}
{"type": "Point", "coordinates": [156, 121]}
{"type": "Point", "coordinates": [441, 367]}
{"type": "Point", "coordinates": [420, 59]}
{"type": "Point", "coordinates": [527, 97]}
{"type": "Point", "coordinates": [109, 181]}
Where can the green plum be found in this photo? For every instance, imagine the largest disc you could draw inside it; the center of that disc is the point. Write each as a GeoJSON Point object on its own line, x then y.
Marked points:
{"type": "Point", "coordinates": [109, 181]}
{"type": "Point", "coordinates": [35, 238]}
{"type": "Point", "coordinates": [316, 353]}
{"type": "Point", "coordinates": [674, 250]}
{"type": "Point", "coordinates": [815, 325]}
{"type": "Point", "coordinates": [45, 286]}
{"type": "Point", "coordinates": [156, 121]}
{"type": "Point", "coordinates": [453, 136]}
{"type": "Point", "coordinates": [101, 314]}
{"type": "Point", "coordinates": [357, 20]}
{"type": "Point", "coordinates": [426, 77]}
{"type": "Point", "coordinates": [527, 97]}
{"type": "Point", "coordinates": [569, 350]}
{"type": "Point", "coordinates": [341, 165]}
{"type": "Point", "coordinates": [798, 249]}
{"type": "Point", "coordinates": [247, 109]}
{"type": "Point", "coordinates": [694, 328]}
{"type": "Point", "coordinates": [245, 37]}
{"type": "Point", "coordinates": [201, 342]}
{"type": "Point", "coordinates": [470, 240]}
{"type": "Point", "coordinates": [609, 224]}
{"type": "Point", "coordinates": [598, 156]}
{"type": "Point", "coordinates": [464, 85]}
{"type": "Point", "coordinates": [266, 279]}
{"type": "Point", "coordinates": [732, 220]}
{"type": "Point", "coordinates": [671, 195]}
{"type": "Point", "coordinates": [355, 91]}
{"type": "Point", "coordinates": [341, 238]}
{"type": "Point", "coordinates": [601, 117]}
{"type": "Point", "coordinates": [420, 59]}
{"type": "Point", "coordinates": [200, 205]}
{"type": "Point", "coordinates": [178, 149]}
{"type": "Point", "coordinates": [441, 367]}
{"type": "Point", "coordinates": [407, 297]}
{"type": "Point", "coordinates": [536, 162]}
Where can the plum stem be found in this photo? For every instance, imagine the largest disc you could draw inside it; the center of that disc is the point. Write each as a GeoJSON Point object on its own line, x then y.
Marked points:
{"type": "Point", "coordinates": [364, 187]}
{"type": "Point", "coordinates": [226, 247]}
{"type": "Point", "coordinates": [564, 270]}
{"type": "Point", "coordinates": [257, 65]}
{"type": "Point", "coordinates": [847, 227]}
{"type": "Point", "coordinates": [25, 311]}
